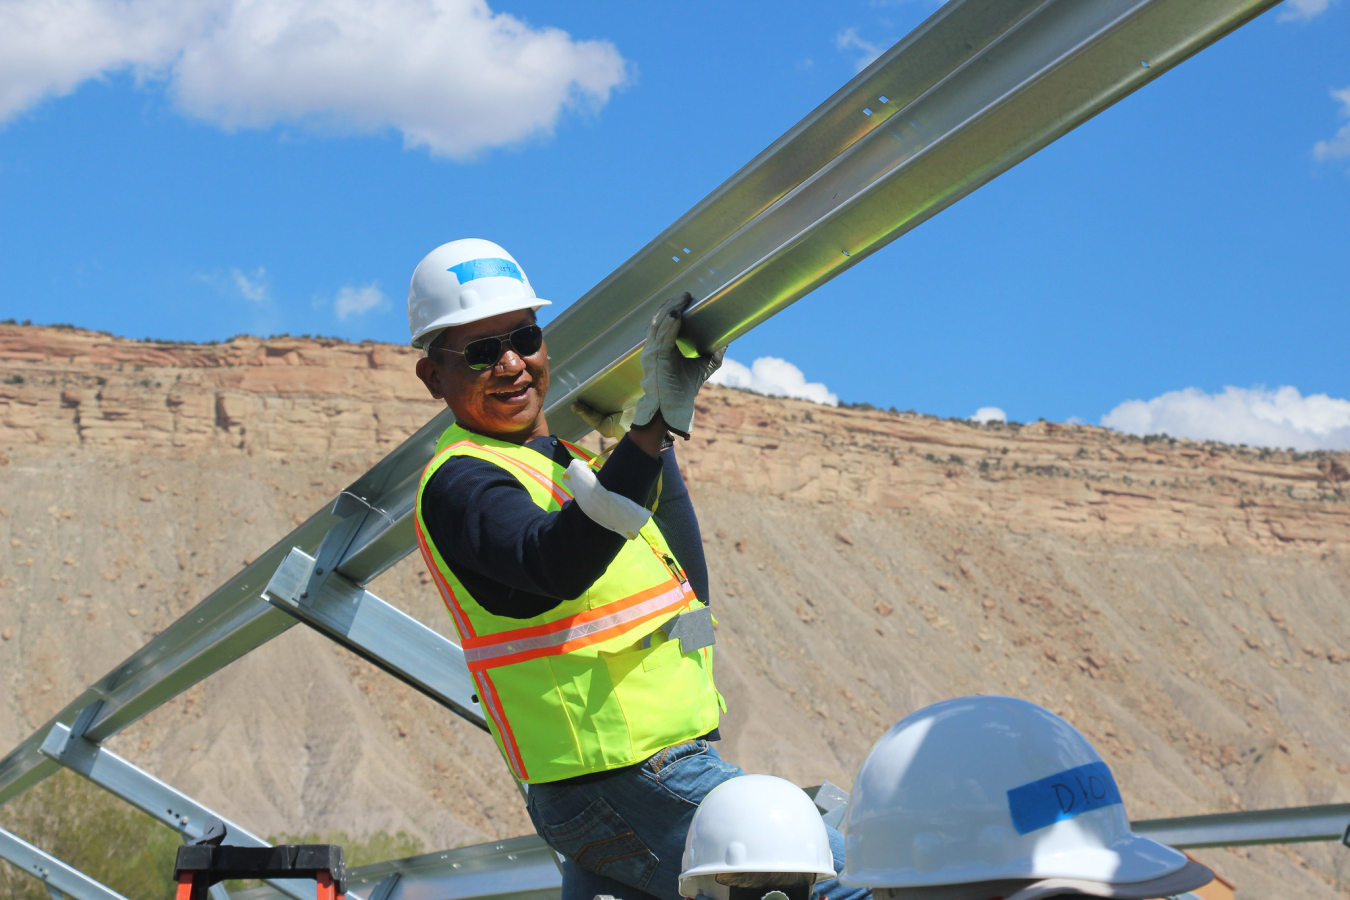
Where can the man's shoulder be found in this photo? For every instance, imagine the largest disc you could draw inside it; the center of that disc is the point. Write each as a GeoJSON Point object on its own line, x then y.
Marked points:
{"type": "Point", "coordinates": [461, 472]}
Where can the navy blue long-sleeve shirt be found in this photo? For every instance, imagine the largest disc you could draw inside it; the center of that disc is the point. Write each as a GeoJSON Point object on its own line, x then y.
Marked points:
{"type": "Point", "coordinates": [519, 561]}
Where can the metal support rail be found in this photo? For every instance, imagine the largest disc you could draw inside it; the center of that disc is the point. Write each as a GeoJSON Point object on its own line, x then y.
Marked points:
{"type": "Point", "coordinates": [357, 619]}
{"type": "Point", "coordinates": [972, 91]}
{"type": "Point", "coordinates": [521, 869]}
{"type": "Point", "coordinates": [160, 801]}
{"type": "Point", "coordinates": [1261, 826]}
{"type": "Point", "coordinates": [58, 876]}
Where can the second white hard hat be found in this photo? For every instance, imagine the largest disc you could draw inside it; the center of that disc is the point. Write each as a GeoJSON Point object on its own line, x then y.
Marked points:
{"type": "Point", "coordinates": [465, 281]}
{"type": "Point", "coordinates": [983, 789]}
{"type": "Point", "coordinates": [754, 823]}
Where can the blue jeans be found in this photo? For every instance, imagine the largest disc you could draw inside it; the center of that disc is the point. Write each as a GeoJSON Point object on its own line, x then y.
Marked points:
{"type": "Point", "coordinates": [624, 835]}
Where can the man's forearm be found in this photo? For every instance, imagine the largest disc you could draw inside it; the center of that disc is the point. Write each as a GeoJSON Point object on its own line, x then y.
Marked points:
{"type": "Point", "coordinates": [650, 437]}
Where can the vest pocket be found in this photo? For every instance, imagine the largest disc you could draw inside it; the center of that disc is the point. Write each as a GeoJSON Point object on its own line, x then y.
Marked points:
{"type": "Point", "coordinates": [666, 696]}
{"type": "Point", "coordinates": [599, 840]}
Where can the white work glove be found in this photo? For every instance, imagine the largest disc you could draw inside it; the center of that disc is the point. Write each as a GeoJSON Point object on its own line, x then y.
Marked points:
{"type": "Point", "coordinates": [610, 425]}
{"type": "Point", "coordinates": [670, 381]}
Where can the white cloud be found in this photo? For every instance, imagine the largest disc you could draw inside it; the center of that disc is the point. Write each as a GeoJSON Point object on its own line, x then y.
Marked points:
{"type": "Point", "coordinates": [450, 75]}
{"type": "Point", "coordinates": [986, 414]}
{"type": "Point", "coordinates": [252, 287]}
{"type": "Point", "coordinates": [774, 377]}
{"type": "Point", "coordinates": [1337, 147]}
{"type": "Point", "coordinates": [353, 301]}
{"type": "Point", "coordinates": [1256, 416]}
{"type": "Point", "coordinates": [848, 40]}
{"type": "Point", "coordinates": [49, 47]}
{"type": "Point", "coordinates": [1302, 10]}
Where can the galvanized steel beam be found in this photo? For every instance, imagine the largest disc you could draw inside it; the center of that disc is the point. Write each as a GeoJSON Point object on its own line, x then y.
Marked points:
{"type": "Point", "coordinates": [520, 868]}
{"type": "Point", "coordinates": [1260, 826]}
{"type": "Point", "coordinates": [57, 875]}
{"type": "Point", "coordinates": [158, 800]}
{"type": "Point", "coordinates": [377, 631]}
{"type": "Point", "coordinates": [972, 91]}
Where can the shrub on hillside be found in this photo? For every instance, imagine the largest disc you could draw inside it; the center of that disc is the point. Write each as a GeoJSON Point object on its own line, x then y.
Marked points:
{"type": "Point", "coordinates": [85, 826]}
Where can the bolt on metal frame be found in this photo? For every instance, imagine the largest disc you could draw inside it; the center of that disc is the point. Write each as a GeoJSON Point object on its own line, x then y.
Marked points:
{"type": "Point", "coordinates": [975, 89]}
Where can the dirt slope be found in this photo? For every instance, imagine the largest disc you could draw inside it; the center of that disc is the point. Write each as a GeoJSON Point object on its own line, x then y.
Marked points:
{"type": "Point", "coordinates": [1181, 603]}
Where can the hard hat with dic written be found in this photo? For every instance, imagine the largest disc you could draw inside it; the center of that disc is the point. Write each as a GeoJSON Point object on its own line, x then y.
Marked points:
{"type": "Point", "coordinates": [754, 823]}
{"type": "Point", "coordinates": [983, 789]}
{"type": "Point", "coordinates": [465, 281]}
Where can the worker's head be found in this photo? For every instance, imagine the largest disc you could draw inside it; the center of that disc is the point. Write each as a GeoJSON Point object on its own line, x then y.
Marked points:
{"type": "Point", "coordinates": [753, 836]}
{"type": "Point", "coordinates": [993, 797]}
{"type": "Point", "coordinates": [472, 310]}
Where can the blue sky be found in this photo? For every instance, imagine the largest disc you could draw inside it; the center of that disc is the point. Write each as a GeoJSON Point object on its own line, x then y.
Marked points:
{"type": "Point", "coordinates": [162, 175]}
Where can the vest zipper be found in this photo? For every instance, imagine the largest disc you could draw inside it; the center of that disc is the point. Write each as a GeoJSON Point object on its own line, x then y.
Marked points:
{"type": "Point", "coordinates": [675, 569]}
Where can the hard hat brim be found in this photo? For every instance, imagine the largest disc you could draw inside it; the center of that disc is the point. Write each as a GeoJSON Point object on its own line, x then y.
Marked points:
{"type": "Point", "coordinates": [722, 869]}
{"type": "Point", "coordinates": [1187, 878]}
{"type": "Point", "coordinates": [688, 881]}
{"type": "Point", "coordinates": [475, 314]}
{"type": "Point", "coordinates": [1134, 859]}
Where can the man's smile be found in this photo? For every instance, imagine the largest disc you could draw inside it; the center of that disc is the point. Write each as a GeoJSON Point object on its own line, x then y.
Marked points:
{"type": "Point", "coordinates": [514, 394]}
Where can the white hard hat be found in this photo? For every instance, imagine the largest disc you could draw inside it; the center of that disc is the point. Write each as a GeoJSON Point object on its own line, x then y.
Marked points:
{"type": "Point", "coordinates": [984, 789]}
{"type": "Point", "coordinates": [465, 281]}
{"type": "Point", "coordinates": [753, 823]}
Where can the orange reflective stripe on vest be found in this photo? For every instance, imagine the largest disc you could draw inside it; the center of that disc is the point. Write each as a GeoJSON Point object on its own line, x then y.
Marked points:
{"type": "Point", "coordinates": [579, 631]}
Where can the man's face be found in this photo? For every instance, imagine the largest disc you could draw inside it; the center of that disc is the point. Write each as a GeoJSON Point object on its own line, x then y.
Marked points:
{"type": "Point", "coordinates": [503, 401]}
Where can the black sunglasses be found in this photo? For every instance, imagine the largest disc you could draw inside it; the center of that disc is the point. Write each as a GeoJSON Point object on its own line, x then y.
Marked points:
{"type": "Point", "coordinates": [487, 352]}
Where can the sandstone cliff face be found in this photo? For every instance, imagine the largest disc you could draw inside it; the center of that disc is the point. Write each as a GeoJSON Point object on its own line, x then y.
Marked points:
{"type": "Point", "coordinates": [1181, 603]}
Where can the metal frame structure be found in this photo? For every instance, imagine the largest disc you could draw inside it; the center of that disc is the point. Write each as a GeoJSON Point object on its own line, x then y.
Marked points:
{"type": "Point", "coordinates": [971, 92]}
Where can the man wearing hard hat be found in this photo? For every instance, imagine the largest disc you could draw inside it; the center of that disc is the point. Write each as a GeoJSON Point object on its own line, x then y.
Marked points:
{"type": "Point", "coordinates": [994, 798]}
{"type": "Point", "coordinates": [583, 615]}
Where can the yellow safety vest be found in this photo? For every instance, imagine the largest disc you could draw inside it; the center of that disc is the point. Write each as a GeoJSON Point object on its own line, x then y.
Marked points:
{"type": "Point", "coordinates": [573, 691]}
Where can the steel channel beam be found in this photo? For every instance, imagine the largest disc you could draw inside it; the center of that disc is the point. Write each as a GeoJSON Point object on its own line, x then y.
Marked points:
{"type": "Point", "coordinates": [57, 875]}
{"type": "Point", "coordinates": [1262, 826]}
{"type": "Point", "coordinates": [521, 868]}
{"type": "Point", "coordinates": [972, 91]}
{"type": "Point", "coordinates": [377, 631]}
{"type": "Point", "coordinates": [158, 800]}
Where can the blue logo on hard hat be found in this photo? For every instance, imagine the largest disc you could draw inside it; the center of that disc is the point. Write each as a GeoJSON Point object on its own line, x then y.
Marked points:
{"type": "Point", "coordinates": [1063, 796]}
{"type": "Point", "coordinates": [486, 268]}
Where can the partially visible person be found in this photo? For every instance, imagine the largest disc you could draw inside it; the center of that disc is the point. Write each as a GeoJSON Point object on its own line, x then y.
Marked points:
{"type": "Point", "coordinates": [995, 798]}
{"type": "Point", "coordinates": [755, 837]}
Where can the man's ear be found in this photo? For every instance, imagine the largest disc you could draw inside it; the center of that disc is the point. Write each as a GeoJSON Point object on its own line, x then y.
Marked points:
{"type": "Point", "coordinates": [430, 373]}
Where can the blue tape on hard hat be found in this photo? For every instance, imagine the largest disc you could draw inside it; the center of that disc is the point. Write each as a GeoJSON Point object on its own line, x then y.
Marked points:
{"type": "Point", "coordinates": [486, 268]}
{"type": "Point", "coordinates": [1062, 796]}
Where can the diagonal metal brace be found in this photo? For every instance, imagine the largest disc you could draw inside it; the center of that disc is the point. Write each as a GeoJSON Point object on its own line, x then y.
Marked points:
{"type": "Point", "coordinates": [161, 801]}
{"type": "Point", "coordinates": [57, 875]}
{"type": "Point", "coordinates": [380, 633]}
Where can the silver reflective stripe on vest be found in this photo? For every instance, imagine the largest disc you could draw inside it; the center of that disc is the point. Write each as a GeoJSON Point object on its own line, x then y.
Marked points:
{"type": "Point", "coordinates": [585, 629]}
